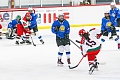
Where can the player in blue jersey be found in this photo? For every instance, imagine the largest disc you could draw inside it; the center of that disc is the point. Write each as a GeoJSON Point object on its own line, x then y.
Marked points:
{"type": "Point", "coordinates": [115, 13]}
{"type": "Point", "coordinates": [61, 29]}
{"type": "Point", "coordinates": [12, 27]}
{"type": "Point", "coordinates": [33, 24]}
{"type": "Point", "coordinates": [108, 26]}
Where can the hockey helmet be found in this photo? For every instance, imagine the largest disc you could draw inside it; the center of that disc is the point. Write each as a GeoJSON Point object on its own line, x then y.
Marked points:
{"type": "Point", "coordinates": [18, 17]}
{"type": "Point", "coordinates": [107, 12]}
{"type": "Point", "coordinates": [81, 32]}
{"type": "Point", "coordinates": [113, 3]}
{"type": "Point", "coordinates": [28, 16]}
{"type": "Point", "coordinates": [60, 14]}
{"type": "Point", "coordinates": [61, 17]}
{"type": "Point", "coordinates": [30, 9]}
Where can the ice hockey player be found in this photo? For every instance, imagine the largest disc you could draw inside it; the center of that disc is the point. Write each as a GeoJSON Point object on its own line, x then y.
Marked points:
{"type": "Point", "coordinates": [61, 28]}
{"type": "Point", "coordinates": [108, 26]}
{"type": "Point", "coordinates": [1, 20]}
{"type": "Point", "coordinates": [115, 13]}
{"type": "Point", "coordinates": [90, 46]}
{"type": "Point", "coordinates": [26, 31]}
{"type": "Point", "coordinates": [33, 24]}
{"type": "Point", "coordinates": [12, 27]}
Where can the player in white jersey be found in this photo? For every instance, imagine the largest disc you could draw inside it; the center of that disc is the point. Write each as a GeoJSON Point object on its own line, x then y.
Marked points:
{"type": "Point", "coordinates": [90, 46]}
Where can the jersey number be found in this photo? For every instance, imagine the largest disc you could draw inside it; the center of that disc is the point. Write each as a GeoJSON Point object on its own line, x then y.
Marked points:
{"type": "Point", "coordinates": [90, 43]}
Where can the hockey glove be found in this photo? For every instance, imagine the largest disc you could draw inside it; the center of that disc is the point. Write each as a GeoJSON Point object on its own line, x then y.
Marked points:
{"type": "Point", "coordinates": [56, 28]}
{"type": "Point", "coordinates": [84, 55]}
{"type": "Point", "coordinates": [66, 36]}
{"type": "Point", "coordinates": [103, 32]}
{"type": "Point", "coordinates": [99, 35]}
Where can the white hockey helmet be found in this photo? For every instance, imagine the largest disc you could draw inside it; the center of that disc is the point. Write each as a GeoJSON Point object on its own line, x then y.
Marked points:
{"type": "Point", "coordinates": [106, 12]}
{"type": "Point", "coordinates": [30, 8]}
{"type": "Point", "coordinates": [113, 4]}
{"type": "Point", "coordinates": [60, 14]}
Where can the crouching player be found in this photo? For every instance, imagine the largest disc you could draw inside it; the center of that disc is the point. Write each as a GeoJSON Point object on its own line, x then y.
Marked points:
{"type": "Point", "coordinates": [61, 28]}
{"type": "Point", "coordinates": [23, 30]}
{"type": "Point", "coordinates": [12, 27]}
{"type": "Point", "coordinates": [90, 46]}
{"type": "Point", "coordinates": [108, 26]}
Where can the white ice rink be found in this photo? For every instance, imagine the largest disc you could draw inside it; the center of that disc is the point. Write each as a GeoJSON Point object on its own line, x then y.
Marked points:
{"type": "Point", "coordinates": [26, 62]}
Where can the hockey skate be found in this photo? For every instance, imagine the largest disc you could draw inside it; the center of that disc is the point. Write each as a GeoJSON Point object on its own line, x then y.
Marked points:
{"type": "Point", "coordinates": [68, 60]}
{"type": "Point", "coordinates": [0, 37]}
{"type": "Point", "coordinates": [93, 66]}
{"type": "Point", "coordinates": [28, 42]}
{"type": "Point", "coordinates": [42, 41]}
{"type": "Point", "coordinates": [111, 38]}
{"type": "Point", "coordinates": [22, 42]}
{"type": "Point", "coordinates": [17, 42]}
{"type": "Point", "coordinates": [118, 45]}
{"type": "Point", "coordinates": [59, 62]}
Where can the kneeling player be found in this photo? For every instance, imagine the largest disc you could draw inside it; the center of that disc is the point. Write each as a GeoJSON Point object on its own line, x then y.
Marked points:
{"type": "Point", "coordinates": [12, 27]}
{"type": "Point", "coordinates": [90, 46]}
{"type": "Point", "coordinates": [108, 26]}
{"type": "Point", "coordinates": [23, 30]}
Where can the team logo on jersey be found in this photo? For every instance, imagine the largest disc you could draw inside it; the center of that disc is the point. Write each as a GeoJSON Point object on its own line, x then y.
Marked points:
{"type": "Point", "coordinates": [108, 24]}
{"type": "Point", "coordinates": [113, 14]}
{"type": "Point", "coordinates": [62, 28]}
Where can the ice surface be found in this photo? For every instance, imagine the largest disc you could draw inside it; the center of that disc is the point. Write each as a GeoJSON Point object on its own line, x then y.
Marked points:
{"type": "Point", "coordinates": [27, 62]}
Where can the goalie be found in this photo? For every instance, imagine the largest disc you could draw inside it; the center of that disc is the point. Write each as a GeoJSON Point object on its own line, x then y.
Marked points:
{"type": "Point", "coordinates": [12, 27]}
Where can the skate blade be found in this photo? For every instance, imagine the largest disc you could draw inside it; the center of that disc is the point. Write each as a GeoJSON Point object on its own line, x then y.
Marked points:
{"type": "Point", "coordinates": [102, 63]}
{"type": "Point", "coordinates": [91, 70]}
{"type": "Point", "coordinates": [60, 65]}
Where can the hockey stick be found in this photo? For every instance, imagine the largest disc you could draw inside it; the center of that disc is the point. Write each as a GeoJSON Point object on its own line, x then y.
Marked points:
{"type": "Point", "coordinates": [74, 43]}
{"type": "Point", "coordinates": [33, 41]}
{"type": "Point", "coordinates": [77, 64]}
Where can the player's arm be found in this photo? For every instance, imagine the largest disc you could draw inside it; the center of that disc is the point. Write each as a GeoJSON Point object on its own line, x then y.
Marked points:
{"type": "Point", "coordinates": [55, 27]}
{"type": "Point", "coordinates": [68, 28]}
{"type": "Point", "coordinates": [33, 21]}
{"type": "Point", "coordinates": [103, 27]}
{"type": "Point", "coordinates": [114, 23]}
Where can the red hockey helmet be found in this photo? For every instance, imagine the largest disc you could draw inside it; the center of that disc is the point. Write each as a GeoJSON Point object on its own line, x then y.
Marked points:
{"type": "Point", "coordinates": [28, 16]}
{"type": "Point", "coordinates": [81, 32]}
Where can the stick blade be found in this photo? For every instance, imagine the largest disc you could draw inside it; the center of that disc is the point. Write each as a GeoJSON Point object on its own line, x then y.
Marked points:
{"type": "Point", "coordinates": [72, 67]}
{"type": "Point", "coordinates": [102, 63]}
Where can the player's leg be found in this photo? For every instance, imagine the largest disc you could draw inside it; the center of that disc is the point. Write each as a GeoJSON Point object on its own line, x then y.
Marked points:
{"type": "Point", "coordinates": [91, 54]}
{"type": "Point", "coordinates": [115, 37]}
{"type": "Point", "coordinates": [35, 30]}
{"type": "Point", "coordinates": [104, 36]}
{"type": "Point", "coordinates": [27, 34]}
{"type": "Point", "coordinates": [118, 27]}
{"type": "Point", "coordinates": [59, 42]}
{"type": "Point", "coordinates": [10, 33]}
{"type": "Point", "coordinates": [19, 33]}
{"type": "Point", "coordinates": [0, 31]}
{"type": "Point", "coordinates": [67, 48]}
